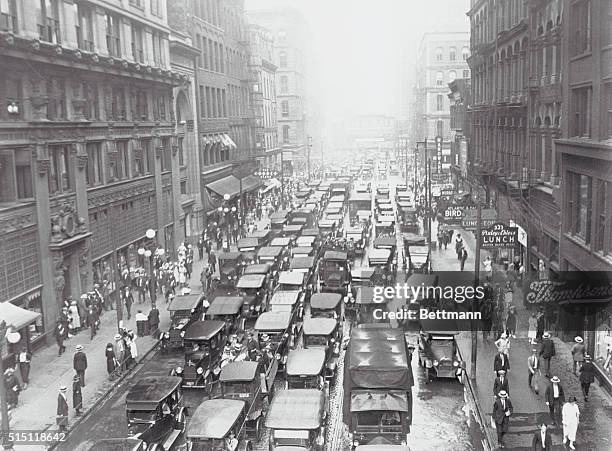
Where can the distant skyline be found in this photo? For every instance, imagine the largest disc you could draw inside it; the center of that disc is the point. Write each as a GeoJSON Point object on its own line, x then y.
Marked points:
{"type": "Point", "coordinates": [364, 52]}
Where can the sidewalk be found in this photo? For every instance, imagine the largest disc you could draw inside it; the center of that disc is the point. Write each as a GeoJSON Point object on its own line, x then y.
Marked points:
{"type": "Point", "coordinates": [594, 431]}
{"type": "Point", "coordinates": [38, 403]}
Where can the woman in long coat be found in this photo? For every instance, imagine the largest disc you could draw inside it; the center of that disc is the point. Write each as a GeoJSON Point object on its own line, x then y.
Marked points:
{"type": "Point", "coordinates": [77, 395]}
{"type": "Point", "coordinates": [110, 358]}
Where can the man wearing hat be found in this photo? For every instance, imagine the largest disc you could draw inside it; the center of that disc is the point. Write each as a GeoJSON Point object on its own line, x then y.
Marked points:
{"type": "Point", "coordinates": [578, 353]}
{"type": "Point", "coordinates": [62, 409]}
{"type": "Point", "coordinates": [77, 394]}
{"type": "Point", "coordinates": [501, 383]}
{"type": "Point", "coordinates": [79, 362]}
{"type": "Point", "coordinates": [542, 441]}
{"type": "Point", "coordinates": [502, 409]}
{"type": "Point", "coordinates": [533, 364]}
{"type": "Point", "coordinates": [587, 376]}
{"type": "Point", "coordinates": [555, 397]}
{"type": "Point", "coordinates": [253, 346]}
{"type": "Point", "coordinates": [547, 351]}
{"type": "Point", "coordinates": [23, 361]}
{"type": "Point", "coordinates": [501, 362]}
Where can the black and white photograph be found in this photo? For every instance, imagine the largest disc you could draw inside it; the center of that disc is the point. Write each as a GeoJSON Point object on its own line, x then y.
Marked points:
{"type": "Point", "coordinates": [305, 225]}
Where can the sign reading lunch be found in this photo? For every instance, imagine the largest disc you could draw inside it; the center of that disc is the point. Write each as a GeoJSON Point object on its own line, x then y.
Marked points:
{"type": "Point", "coordinates": [499, 236]}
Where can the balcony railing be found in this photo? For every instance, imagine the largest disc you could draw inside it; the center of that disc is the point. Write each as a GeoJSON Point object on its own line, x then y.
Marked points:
{"type": "Point", "coordinates": [50, 31]}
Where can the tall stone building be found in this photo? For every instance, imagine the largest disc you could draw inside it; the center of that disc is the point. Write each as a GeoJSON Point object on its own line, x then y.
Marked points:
{"type": "Point", "coordinates": [88, 149]}
{"type": "Point", "coordinates": [289, 32]}
{"type": "Point", "coordinates": [263, 97]}
{"type": "Point", "coordinates": [442, 58]}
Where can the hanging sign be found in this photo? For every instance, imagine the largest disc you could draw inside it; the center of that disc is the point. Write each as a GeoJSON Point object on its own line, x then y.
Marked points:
{"type": "Point", "coordinates": [499, 236]}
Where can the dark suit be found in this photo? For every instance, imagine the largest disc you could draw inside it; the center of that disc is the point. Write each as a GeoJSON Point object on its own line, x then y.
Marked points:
{"type": "Point", "coordinates": [498, 365]}
{"type": "Point", "coordinates": [500, 417]}
{"type": "Point", "coordinates": [554, 404]}
{"type": "Point", "coordinates": [80, 365]}
{"type": "Point", "coordinates": [498, 385]}
{"type": "Point", "coordinates": [537, 444]}
{"type": "Point", "coordinates": [62, 412]}
{"type": "Point", "coordinates": [547, 351]}
{"type": "Point", "coordinates": [587, 377]}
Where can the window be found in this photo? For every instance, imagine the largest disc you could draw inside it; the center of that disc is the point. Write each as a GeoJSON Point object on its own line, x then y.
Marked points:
{"type": "Point", "coordinates": [158, 49]}
{"type": "Point", "coordinates": [466, 73]}
{"type": "Point", "coordinates": [10, 92]}
{"type": "Point", "coordinates": [211, 55]}
{"type": "Point", "coordinates": [93, 176]}
{"type": "Point", "coordinates": [452, 75]}
{"type": "Point", "coordinates": [580, 22]}
{"type": "Point", "coordinates": [439, 54]}
{"type": "Point", "coordinates": [147, 155]}
{"type": "Point", "coordinates": [48, 21]}
{"type": "Point", "coordinates": [439, 128]}
{"type": "Point", "coordinates": [284, 84]}
{"type": "Point", "coordinates": [285, 108]}
{"type": "Point", "coordinates": [439, 78]}
{"type": "Point", "coordinates": [198, 44]}
{"type": "Point", "coordinates": [465, 53]}
{"type": "Point", "coordinates": [137, 47]}
{"type": "Point", "coordinates": [118, 112]}
{"type": "Point", "coordinates": [439, 102]}
{"type": "Point", "coordinates": [184, 187]}
{"type": "Point", "coordinates": [286, 134]}
{"type": "Point", "coordinates": [452, 54]}
{"type": "Point", "coordinates": [282, 59]}
{"type": "Point", "coordinates": [92, 105]}
{"type": "Point", "coordinates": [221, 59]}
{"type": "Point", "coordinates": [84, 27]}
{"type": "Point", "coordinates": [223, 103]}
{"type": "Point", "coordinates": [8, 16]}
{"type": "Point", "coordinates": [140, 108]}
{"type": "Point", "coordinates": [604, 228]}
{"type": "Point", "coordinates": [56, 93]}
{"type": "Point", "coordinates": [123, 160]}
{"type": "Point", "coordinates": [581, 108]}
{"type": "Point", "coordinates": [23, 174]}
{"type": "Point", "coordinates": [138, 166]}
{"type": "Point", "coordinates": [166, 159]}
{"type": "Point", "coordinates": [204, 62]}
{"type": "Point", "coordinates": [580, 205]}
{"type": "Point", "coordinates": [608, 109]}
{"type": "Point", "coordinates": [60, 177]}
{"type": "Point", "coordinates": [181, 151]}
{"type": "Point", "coordinates": [156, 9]}
{"type": "Point", "coordinates": [209, 110]}
{"type": "Point", "coordinates": [113, 35]}
{"type": "Point", "coordinates": [136, 3]}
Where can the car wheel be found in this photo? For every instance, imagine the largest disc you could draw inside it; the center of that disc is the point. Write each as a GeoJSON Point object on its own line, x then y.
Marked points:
{"type": "Point", "coordinates": [258, 429]}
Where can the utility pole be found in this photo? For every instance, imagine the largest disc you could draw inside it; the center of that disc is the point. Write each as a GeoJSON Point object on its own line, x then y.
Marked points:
{"type": "Point", "coordinates": [476, 283]}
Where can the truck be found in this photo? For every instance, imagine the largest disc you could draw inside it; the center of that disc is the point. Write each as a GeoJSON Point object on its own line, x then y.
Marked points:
{"type": "Point", "coordinates": [378, 385]}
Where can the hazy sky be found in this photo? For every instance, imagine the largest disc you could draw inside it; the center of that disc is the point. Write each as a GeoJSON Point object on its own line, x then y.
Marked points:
{"type": "Point", "coordinates": [362, 47]}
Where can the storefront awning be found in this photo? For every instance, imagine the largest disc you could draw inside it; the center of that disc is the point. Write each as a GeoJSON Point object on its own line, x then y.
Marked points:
{"type": "Point", "coordinates": [227, 185]}
{"type": "Point", "coordinates": [251, 183]}
{"type": "Point", "coordinates": [16, 317]}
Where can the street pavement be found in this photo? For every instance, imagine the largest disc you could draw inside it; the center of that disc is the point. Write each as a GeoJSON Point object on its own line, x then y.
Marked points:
{"type": "Point", "coordinates": [595, 430]}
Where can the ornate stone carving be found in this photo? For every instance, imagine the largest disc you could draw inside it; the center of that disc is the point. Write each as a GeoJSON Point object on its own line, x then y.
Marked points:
{"type": "Point", "coordinates": [159, 151]}
{"type": "Point", "coordinates": [59, 280]}
{"type": "Point", "coordinates": [83, 259]}
{"type": "Point", "coordinates": [175, 150]}
{"type": "Point", "coordinates": [81, 161]}
{"type": "Point", "coordinates": [43, 166]}
{"type": "Point", "coordinates": [39, 104]}
{"type": "Point", "coordinates": [16, 222]}
{"type": "Point", "coordinates": [65, 224]}
{"type": "Point", "coordinates": [78, 105]}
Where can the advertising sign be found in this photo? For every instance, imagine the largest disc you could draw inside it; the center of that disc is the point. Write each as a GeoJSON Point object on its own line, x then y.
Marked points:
{"type": "Point", "coordinates": [499, 236]}
{"type": "Point", "coordinates": [571, 288]}
{"type": "Point", "coordinates": [470, 218]}
{"type": "Point", "coordinates": [453, 215]}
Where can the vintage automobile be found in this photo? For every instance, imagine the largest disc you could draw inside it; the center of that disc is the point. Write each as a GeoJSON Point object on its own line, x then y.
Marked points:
{"type": "Point", "coordinates": [314, 232]}
{"type": "Point", "coordinates": [278, 220]}
{"type": "Point", "coordinates": [385, 260]}
{"type": "Point", "coordinates": [364, 216]}
{"type": "Point", "coordinates": [282, 241]}
{"type": "Point", "coordinates": [275, 328]}
{"type": "Point", "coordinates": [248, 247]}
{"type": "Point", "coordinates": [263, 269]}
{"type": "Point", "coordinates": [155, 411]}
{"type": "Point", "coordinates": [204, 342]}
{"type": "Point", "coordinates": [413, 239]}
{"type": "Point", "coordinates": [359, 237]}
{"type": "Point", "coordinates": [289, 281]}
{"type": "Point", "coordinates": [382, 188]}
{"type": "Point", "coordinates": [230, 267]}
{"type": "Point", "coordinates": [386, 228]}
{"type": "Point", "coordinates": [303, 251]}
{"type": "Point", "coordinates": [324, 333]}
{"type": "Point", "coordinates": [306, 215]}
{"type": "Point", "coordinates": [326, 305]}
{"type": "Point", "coordinates": [292, 230]}
{"type": "Point", "coordinates": [219, 424]}
{"type": "Point", "coordinates": [307, 240]}
{"type": "Point", "coordinates": [334, 275]}
{"type": "Point", "coordinates": [370, 308]}
{"type": "Point", "coordinates": [418, 258]}
{"type": "Point", "coordinates": [297, 419]}
{"type": "Point", "coordinates": [229, 310]}
{"type": "Point", "coordinates": [407, 217]}
{"type": "Point", "coordinates": [327, 227]}
{"type": "Point", "coordinates": [305, 368]}
{"type": "Point", "coordinates": [184, 310]}
{"type": "Point", "coordinates": [438, 352]}
{"type": "Point", "coordinates": [275, 255]}
{"type": "Point", "coordinates": [427, 298]}
{"type": "Point", "coordinates": [385, 242]}
{"type": "Point", "coordinates": [251, 287]}
{"type": "Point", "coordinates": [251, 382]}
{"type": "Point", "coordinates": [121, 444]}
{"type": "Point", "coordinates": [306, 266]}
{"type": "Point", "coordinates": [303, 194]}
{"type": "Point", "coordinates": [359, 202]}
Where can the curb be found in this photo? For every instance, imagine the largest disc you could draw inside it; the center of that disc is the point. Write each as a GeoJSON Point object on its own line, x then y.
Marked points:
{"type": "Point", "coordinates": [98, 404]}
{"type": "Point", "coordinates": [488, 441]}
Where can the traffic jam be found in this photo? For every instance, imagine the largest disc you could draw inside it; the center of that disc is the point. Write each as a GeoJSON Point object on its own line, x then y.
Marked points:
{"type": "Point", "coordinates": [285, 351]}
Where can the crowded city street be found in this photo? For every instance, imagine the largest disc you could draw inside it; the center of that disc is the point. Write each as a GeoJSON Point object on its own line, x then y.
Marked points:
{"type": "Point", "coordinates": [305, 225]}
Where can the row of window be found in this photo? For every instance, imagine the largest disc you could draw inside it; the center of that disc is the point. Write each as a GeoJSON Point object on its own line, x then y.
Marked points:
{"type": "Point", "coordinates": [452, 54]}
{"type": "Point", "coordinates": [212, 102]}
{"type": "Point", "coordinates": [581, 104]}
{"type": "Point", "coordinates": [452, 75]}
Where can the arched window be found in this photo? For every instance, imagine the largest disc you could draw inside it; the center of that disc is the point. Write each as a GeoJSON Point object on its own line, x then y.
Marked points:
{"type": "Point", "coordinates": [465, 53]}
{"type": "Point", "coordinates": [282, 59]}
{"type": "Point", "coordinates": [439, 78]}
{"type": "Point", "coordinates": [284, 84]}
{"type": "Point", "coordinates": [439, 54]}
{"type": "Point", "coordinates": [452, 54]}
{"type": "Point", "coordinates": [452, 75]}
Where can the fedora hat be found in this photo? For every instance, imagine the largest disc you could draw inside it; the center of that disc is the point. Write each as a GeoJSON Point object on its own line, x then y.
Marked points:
{"type": "Point", "coordinates": [76, 378]}
{"type": "Point", "coordinates": [587, 357]}
{"type": "Point", "coordinates": [555, 379]}
{"type": "Point", "coordinates": [63, 388]}
{"type": "Point", "coordinates": [578, 340]}
{"type": "Point", "coordinates": [79, 347]}
{"type": "Point", "coordinates": [546, 335]}
{"type": "Point", "coordinates": [502, 394]}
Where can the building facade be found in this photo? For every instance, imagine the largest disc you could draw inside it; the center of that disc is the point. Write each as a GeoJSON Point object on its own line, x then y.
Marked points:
{"type": "Point", "coordinates": [88, 149]}
{"type": "Point", "coordinates": [460, 97]}
{"type": "Point", "coordinates": [289, 31]}
{"type": "Point", "coordinates": [263, 97]}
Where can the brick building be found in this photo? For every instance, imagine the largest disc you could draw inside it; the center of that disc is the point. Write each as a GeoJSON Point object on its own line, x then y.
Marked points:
{"type": "Point", "coordinates": [88, 149]}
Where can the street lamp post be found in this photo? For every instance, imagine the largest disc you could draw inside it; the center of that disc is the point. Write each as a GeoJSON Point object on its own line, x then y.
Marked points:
{"type": "Point", "coordinates": [7, 444]}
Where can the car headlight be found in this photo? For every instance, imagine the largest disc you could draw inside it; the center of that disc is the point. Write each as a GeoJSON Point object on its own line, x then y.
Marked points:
{"type": "Point", "coordinates": [182, 333]}
{"type": "Point", "coordinates": [455, 363]}
{"type": "Point", "coordinates": [333, 340]}
{"type": "Point", "coordinates": [277, 356]}
{"type": "Point", "coordinates": [199, 370]}
{"type": "Point", "coordinates": [179, 370]}
{"type": "Point", "coordinates": [436, 363]}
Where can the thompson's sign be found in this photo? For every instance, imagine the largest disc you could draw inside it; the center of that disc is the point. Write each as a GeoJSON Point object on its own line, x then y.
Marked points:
{"type": "Point", "coordinates": [499, 236]}
{"type": "Point", "coordinates": [584, 287]}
